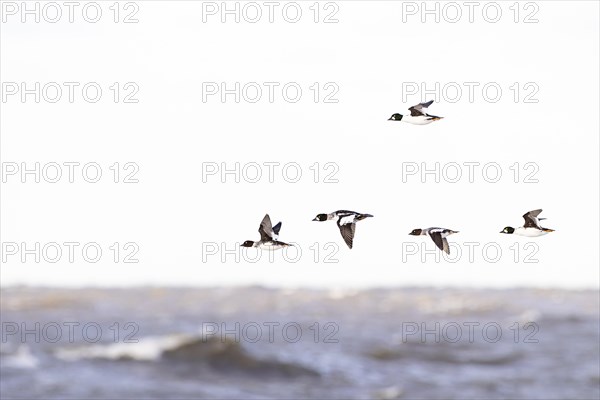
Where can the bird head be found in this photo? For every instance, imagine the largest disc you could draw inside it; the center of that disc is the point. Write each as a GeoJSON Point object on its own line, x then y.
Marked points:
{"type": "Point", "coordinates": [320, 217]}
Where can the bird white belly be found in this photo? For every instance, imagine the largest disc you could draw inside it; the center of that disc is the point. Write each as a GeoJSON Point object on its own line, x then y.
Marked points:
{"type": "Point", "coordinates": [529, 232]}
{"type": "Point", "coordinates": [271, 246]}
{"type": "Point", "coordinates": [416, 120]}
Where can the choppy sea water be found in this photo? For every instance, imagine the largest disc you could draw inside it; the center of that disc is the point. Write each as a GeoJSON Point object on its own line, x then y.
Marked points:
{"type": "Point", "coordinates": [251, 343]}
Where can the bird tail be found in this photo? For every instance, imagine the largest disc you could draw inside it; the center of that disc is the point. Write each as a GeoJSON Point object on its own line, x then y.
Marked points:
{"type": "Point", "coordinates": [547, 230]}
{"type": "Point", "coordinates": [363, 216]}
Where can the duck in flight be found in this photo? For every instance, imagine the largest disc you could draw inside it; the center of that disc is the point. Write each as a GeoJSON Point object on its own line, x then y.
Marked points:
{"type": "Point", "coordinates": [268, 236]}
{"type": "Point", "coordinates": [532, 226]}
{"type": "Point", "coordinates": [418, 115]}
{"type": "Point", "coordinates": [346, 221]}
{"type": "Point", "coordinates": [438, 235]}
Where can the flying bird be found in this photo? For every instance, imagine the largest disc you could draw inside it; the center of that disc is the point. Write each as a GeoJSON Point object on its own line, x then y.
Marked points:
{"type": "Point", "coordinates": [438, 235]}
{"type": "Point", "coordinates": [532, 226]}
{"type": "Point", "coordinates": [269, 236]}
{"type": "Point", "coordinates": [346, 221]}
{"type": "Point", "coordinates": [418, 115]}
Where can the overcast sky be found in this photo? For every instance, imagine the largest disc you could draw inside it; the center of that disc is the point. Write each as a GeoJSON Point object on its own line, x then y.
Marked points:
{"type": "Point", "coordinates": [373, 61]}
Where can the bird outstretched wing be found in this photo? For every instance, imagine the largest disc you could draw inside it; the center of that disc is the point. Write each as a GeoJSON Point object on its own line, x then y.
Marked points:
{"type": "Point", "coordinates": [531, 219]}
{"type": "Point", "coordinates": [347, 231]}
{"type": "Point", "coordinates": [265, 229]}
{"type": "Point", "coordinates": [420, 109]}
{"type": "Point", "coordinates": [440, 241]}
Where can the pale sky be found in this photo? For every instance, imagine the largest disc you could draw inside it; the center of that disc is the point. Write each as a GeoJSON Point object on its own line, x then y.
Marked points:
{"type": "Point", "coordinates": [370, 55]}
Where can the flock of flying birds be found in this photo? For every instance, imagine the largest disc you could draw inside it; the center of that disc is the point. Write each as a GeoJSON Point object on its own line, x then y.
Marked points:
{"type": "Point", "coordinates": [346, 220]}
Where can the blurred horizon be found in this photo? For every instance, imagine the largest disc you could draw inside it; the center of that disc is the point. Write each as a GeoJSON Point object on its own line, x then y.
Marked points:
{"type": "Point", "coordinates": [301, 287]}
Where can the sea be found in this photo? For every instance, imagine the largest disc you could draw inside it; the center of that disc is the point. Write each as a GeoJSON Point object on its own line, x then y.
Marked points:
{"type": "Point", "coordinates": [269, 343]}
